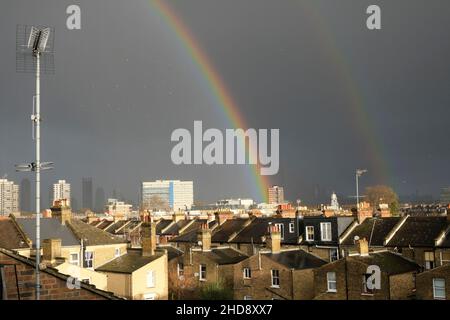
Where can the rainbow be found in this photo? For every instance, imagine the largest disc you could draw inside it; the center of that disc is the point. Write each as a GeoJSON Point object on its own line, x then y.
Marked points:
{"type": "Point", "coordinates": [214, 81]}
{"type": "Point", "coordinates": [357, 108]}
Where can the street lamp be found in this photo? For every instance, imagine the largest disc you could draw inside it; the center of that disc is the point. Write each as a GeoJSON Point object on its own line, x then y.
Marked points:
{"type": "Point", "coordinates": [359, 173]}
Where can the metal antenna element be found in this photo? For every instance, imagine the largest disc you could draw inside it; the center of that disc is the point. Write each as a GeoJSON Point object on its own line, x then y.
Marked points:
{"type": "Point", "coordinates": [34, 53]}
{"type": "Point", "coordinates": [359, 173]}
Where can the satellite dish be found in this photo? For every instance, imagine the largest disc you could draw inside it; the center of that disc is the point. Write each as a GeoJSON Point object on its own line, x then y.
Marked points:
{"type": "Point", "coordinates": [199, 243]}
{"type": "Point", "coordinates": [356, 238]}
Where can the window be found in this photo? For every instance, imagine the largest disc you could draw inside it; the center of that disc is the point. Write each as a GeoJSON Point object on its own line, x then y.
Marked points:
{"type": "Point", "coordinates": [89, 259]}
{"type": "Point", "coordinates": [275, 275]}
{"type": "Point", "coordinates": [334, 254]}
{"type": "Point", "coordinates": [429, 259]}
{"type": "Point", "coordinates": [74, 259]}
{"type": "Point", "coordinates": [117, 252]}
{"type": "Point", "coordinates": [180, 269]}
{"type": "Point", "coordinates": [247, 273]}
{"type": "Point", "coordinates": [439, 288]}
{"type": "Point", "coordinates": [331, 282]}
{"type": "Point", "coordinates": [309, 233]}
{"type": "Point", "coordinates": [364, 285]}
{"type": "Point", "coordinates": [151, 279]}
{"type": "Point", "coordinates": [248, 298]}
{"type": "Point", "coordinates": [291, 227]}
{"type": "Point", "coordinates": [280, 227]}
{"type": "Point", "coordinates": [203, 272]}
{"type": "Point", "coordinates": [325, 231]}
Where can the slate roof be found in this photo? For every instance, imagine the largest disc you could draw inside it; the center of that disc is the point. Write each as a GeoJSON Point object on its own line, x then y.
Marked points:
{"type": "Point", "coordinates": [190, 233]}
{"type": "Point", "coordinates": [117, 225]}
{"type": "Point", "coordinates": [172, 252]}
{"type": "Point", "coordinates": [380, 231]}
{"type": "Point", "coordinates": [162, 224]}
{"type": "Point", "coordinates": [223, 232]}
{"type": "Point", "coordinates": [296, 259]}
{"type": "Point", "coordinates": [226, 255]}
{"type": "Point", "coordinates": [419, 232]}
{"type": "Point", "coordinates": [175, 228]}
{"type": "Point", "coordinates": [258, 228]}
{"type": "Point", "coordinates": [92, 235]}
{"type": "Point", "coordinates": [10, 236]}
{"type": "Point", "coordinates": [104, 224]}
{"type": "Point", "coordinates": [129, 262]}
{"type": "Point", "coordinates": [389, 262]}
{"type": "Point", "coordinates": [51, 228]}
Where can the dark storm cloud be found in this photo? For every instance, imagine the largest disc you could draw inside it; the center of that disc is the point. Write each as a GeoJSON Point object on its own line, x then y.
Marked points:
{"type": "Point", "coordinates": [123, 83]}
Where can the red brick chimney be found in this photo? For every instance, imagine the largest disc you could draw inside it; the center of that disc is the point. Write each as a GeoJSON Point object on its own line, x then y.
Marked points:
{"type": "Point", "coordinates": [222, 216]}
{"type": "Point", "coordinates": [364, 211]}
{"type": "Point", "coordinates": [61, 211]}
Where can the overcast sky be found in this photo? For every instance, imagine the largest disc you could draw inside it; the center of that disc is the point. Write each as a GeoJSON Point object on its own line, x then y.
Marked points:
{"type": "Point", "coordinates": [342, 96]}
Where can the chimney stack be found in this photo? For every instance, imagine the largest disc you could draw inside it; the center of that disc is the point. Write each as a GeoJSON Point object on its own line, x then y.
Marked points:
{"type": "Point", "coordinates": [51, 250]}
{"type": "Point", "coordinates": [363, 247]}
{"type": "Point", "coordinates": [364, 211]}
{"type": "Point", "coordinates": [204, 236]}
{"type": "Point", "coordinates": [222, 216]}
{"type": "Point", "coordinates": [178, 216]}
{"type": "Point", "coordinates": [148, 238]}
{"type": "Point", "coordinates": [61, 210]}
{"type": "Point", "coordinates": [273, 241]}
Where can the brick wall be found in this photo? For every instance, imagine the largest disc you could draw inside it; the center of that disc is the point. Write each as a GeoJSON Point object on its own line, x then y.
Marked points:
{"type": "Point", "coordinates": [53, 288]}
{"type": "Point", "coordinates": [424, 282]}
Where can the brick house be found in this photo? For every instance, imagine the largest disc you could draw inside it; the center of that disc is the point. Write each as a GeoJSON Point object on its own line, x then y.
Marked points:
{"type": "Point", "coordinates": [276, 273]}
{"type": "Point", "coordinates": [320, 235]}
{"type": "Point", "coordinates": [348, 278]}
{"type": "Point", "coordinates": [418, 238]}
{"type": "Point", "coordinates": [17, 280]}
{"type": "Point", "coordinates": [434, 284]}
{"type": "Point", "coordinates": [375, 230]}
{"type": "Point", "coordinates": [203, 265]}
{"type": "Point", "coordinates": [139, 274]}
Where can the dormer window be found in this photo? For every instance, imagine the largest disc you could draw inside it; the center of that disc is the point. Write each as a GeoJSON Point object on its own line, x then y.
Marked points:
{"type": "Point", "coordinates": [309, 231]}
{"type": "Point", "coordinates": [325, 231]}
{"type": "Point", "coordinates": [281, 228]}
{"type": "Point", "coordinates": [291, 227]}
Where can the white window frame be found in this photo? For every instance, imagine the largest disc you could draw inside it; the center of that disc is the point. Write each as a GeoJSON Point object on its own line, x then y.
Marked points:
{"type": "Point", "coordinates": [291, 227]}
{"type": "Point", "coordinates": [429, 258]}
{"type": "Point", "coordinates": [330, 281]}
{"type": "Point", "coordinates": [150, 280]}
{"type": "Point", "coordinates": [435, 296]}
{"type": "Point", "coordinates": [307, 234]}
{"type": "Point", "coordinates": [337, 254]}
{"type": "Point", "coordinates": [324, 227]}
{"type": "Point", "coordinates": [200, 274]}
{"type": "Point", "coordinates": [72, 261]}
{"type": "Point", "coordinates": [273, 277]}
{"type": "Point", "coordinates": [180, 271]}
{"type": "Point", "coordinates": [247, 273]}
{"type": "Point", "coordinates": [117, 252]}
{"type": "Point", "coordinates": [91, 260]}
{"type": "Point", "coordinates": [248, 298]}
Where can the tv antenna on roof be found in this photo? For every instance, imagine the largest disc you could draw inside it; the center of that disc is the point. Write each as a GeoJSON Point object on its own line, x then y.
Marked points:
{"type": "Point", "coordinates": [34, 54]}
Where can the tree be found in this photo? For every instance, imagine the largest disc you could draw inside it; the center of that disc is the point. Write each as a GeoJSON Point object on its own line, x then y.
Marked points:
{"type": "Point", "coordinates": [216, 291]}
{"type": "Point", "coordinates": [382, 194]}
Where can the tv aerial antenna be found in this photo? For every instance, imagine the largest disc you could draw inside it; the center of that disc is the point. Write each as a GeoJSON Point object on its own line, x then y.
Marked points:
{"type": "Point", "coordinates": [34, 54]}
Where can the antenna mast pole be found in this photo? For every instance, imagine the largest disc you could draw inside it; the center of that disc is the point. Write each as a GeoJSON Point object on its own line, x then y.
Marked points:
{"type": "Point", "coordinates": [37, 121]}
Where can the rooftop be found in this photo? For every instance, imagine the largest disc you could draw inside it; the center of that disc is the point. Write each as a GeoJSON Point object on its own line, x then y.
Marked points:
{"type": "Point", "coordinates": [129, 262]}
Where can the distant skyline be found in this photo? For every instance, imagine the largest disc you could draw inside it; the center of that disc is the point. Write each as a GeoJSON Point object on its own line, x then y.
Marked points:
{"type": "Point", "coordinates": [342, 96]}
